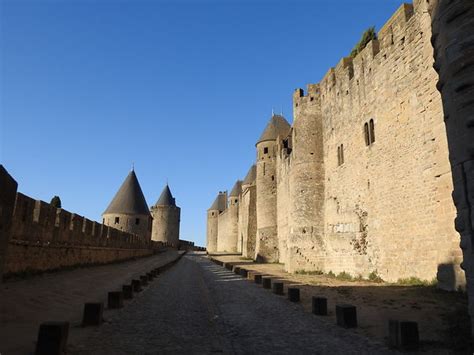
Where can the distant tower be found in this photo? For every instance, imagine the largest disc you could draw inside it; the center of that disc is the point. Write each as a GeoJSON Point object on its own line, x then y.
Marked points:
{"type": "Point", "coordinates": [229, 222]}
{"type": "Point", "coordinates": [248, 215]}
{"type": "Point", "coordinates": [166, 217]}
{"type": "Point", "coordinates": [219, 205]}
{"type": "Point", "coordinates": [267, 237]}
{"type": "Point", "coordinates": [128, 210]}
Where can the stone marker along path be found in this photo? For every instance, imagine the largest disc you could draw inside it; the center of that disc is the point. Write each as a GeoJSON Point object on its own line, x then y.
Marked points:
{"type": "Point", "coordinates": [197, 307]}
{"type": "Point", "coordinates": [60, 296]}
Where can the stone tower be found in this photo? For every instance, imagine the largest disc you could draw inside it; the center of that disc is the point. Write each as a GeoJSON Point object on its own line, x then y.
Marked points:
{"type": "Point", "coordinates": [128, 210]}
{"type": "Point", "coordinates": [213, 212]}
{"type": "Point", "coordinates": [306, 181]}
{"type": "Point", "coordinates": [229, 222]}
{"type": "Point", "coordinates": [166, 217]}
{"type": "Point", "coordinates": [267, 236]}
{"type": "Point", "coordinates": [248, 215]}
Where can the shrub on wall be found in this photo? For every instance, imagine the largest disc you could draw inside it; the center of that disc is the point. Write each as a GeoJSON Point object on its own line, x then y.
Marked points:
{"type": "Point", "coordinates": [368, 36]}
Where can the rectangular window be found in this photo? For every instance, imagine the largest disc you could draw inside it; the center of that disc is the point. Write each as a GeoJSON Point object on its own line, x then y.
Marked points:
{"type": "Point", "coordinates": [117, 220]}
{"type": "Point", "coordinates": [137, 221]}
{"type": "Point", "coordinates": [265, 150]}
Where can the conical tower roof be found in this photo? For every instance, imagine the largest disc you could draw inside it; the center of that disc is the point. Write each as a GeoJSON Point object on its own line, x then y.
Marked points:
{"type": "Point", "coordinates": [129, 198]}
{"type": "Point", "coordinates": [278, 126]}
{"type": "Point", "coordinates": [251, 175]}
{"type": "Point", "coordinates": [219, 203]}
{"type": "Point", "coordinates": [166, 198]}
{"type": "Point", "coordinates": [236, 189]}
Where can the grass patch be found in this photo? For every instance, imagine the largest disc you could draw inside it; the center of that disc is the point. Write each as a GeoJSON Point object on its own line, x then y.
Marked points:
{"type": "Point", "coordinates": [374, 277]}
{"type": "Point", "coordinates": [344, 276]}
{"type": "Point", "coordinates": [312, 272]}
{"type": "Point", "coordinates": [415, 281]}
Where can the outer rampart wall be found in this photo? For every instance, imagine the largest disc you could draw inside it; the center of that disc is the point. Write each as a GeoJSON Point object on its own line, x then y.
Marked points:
{"type": "Point", "coordinates": [228, 229]}
{"type": "Point", "coordinates": [46, 238]}
{"type": "Point", "coordinates": [248, 221]}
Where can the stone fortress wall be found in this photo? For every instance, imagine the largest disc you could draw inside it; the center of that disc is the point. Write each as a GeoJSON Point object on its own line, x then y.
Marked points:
{"type": "Point", "coordinates": [363, 182]}
{"type": "Point", "coordinates": [44, 238]}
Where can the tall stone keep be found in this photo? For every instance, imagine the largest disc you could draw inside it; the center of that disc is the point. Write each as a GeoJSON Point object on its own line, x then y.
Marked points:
{"type": "Point", "coordinates": [218, 206]}
{"type": "Point", "coordinates": [267, 236]}
{"type": "Point", "coordinates": [248, 215]}
{"type": "Point", "coordinates": [128, 210]}
{"type": "Point", "coordinates": [166, 218]}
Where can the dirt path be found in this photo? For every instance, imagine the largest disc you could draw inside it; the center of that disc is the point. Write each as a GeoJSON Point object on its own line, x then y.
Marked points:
{"type": "Point", "coordinates": [60, 296]}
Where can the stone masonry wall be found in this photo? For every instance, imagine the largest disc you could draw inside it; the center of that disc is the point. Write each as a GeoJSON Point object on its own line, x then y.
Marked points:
{"type": "Point", "coordinates": [387, 207]}
{"type": "Point", "coordinates": [247, 221]}
{"type": "Point", "coordinates": [227, 230]}
{"type": "Point", "coordinates": [166, 220]}
{"type": "Point", "coordinates": [46, 238]}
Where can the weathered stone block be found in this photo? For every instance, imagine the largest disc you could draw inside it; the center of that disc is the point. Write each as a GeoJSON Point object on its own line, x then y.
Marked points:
{"type": "Point", "coordinates": [144, 280]}
{"type": "Point", "coordinates": [277, 288]}
{"type": "Point", "coordinates": [93, 314]}
{"type": "Point", "coordinates": [320, 306]}
{"type": "Point", "coordinates": [294, 294]}
{"type": "Point", "coordinates": [403, 335]}
{"type": "Point", "coordinates": [244, 273]}
{"type": "Point", "coordinates": [136, 285]}
{"type": "Point", "coordinates": [267, 282]}
{"type": "Point", "coordinates": [115, 300]}
{"type": "Point", "coordinates": [52, 338]}
{"type": "Point", "coordinates": [237, 270]}
{"type": "Point", "coordinates": [127, 291]}
{"type": "Point", "coordinates": [257, 278]}
{"type": "Point", "coordinates": [346, 315]}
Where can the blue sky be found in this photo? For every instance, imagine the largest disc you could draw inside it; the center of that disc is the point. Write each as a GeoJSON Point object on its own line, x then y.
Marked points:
{"type": "Point", "coordinates": [182, 89]}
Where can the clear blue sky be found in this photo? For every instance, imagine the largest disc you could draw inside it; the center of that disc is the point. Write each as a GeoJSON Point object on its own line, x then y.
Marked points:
{"type": "Point", "coordinates": [181, 88]}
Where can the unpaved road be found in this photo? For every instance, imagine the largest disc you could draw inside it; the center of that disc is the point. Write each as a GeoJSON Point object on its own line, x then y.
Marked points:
{"type": "Point", "coordinates": [197, 307]}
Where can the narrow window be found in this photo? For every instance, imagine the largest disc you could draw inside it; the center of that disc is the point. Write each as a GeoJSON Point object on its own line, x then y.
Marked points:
{"type": "Point", "coordinates": [273, 178]}
{"type": "Point", "coordinates": [117, 220]}
{"type": "Point", "coordinates": [236, 201]}
{"type": "Point", "coordinates": [372, 131]}
{"type": "Point", "coordinates": [264, 169]}
{"type": "Point", "coordinates": [265, 150]}
{"type": "Point", "coordinates": [103, 220]}
{"type": "Point", "coordinates": [366, 134]}
{"type": "Point", "coordinates": [342, 154]}
{"type": "Point", "coordinates": [137, 221]}
{"type": "Point", "coordinates": [338, 155]}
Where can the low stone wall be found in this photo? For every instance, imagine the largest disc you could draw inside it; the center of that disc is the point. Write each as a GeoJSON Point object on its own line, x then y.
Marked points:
{"type": "Point", "coordinates": [29, 258]}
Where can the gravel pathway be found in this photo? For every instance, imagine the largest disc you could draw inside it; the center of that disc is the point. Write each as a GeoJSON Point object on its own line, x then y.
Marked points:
{"type": "Point", "coordinates": [197, 307]}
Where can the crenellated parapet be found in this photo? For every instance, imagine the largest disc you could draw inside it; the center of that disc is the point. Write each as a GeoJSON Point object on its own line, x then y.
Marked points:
{"type": "Point", "coordinates": [36, 222]}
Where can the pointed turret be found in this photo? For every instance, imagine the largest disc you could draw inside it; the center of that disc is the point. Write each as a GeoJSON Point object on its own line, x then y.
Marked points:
{"type": "Point", "coordinates": [166, 219]}
{"type": "Point", "coordinates": [278, 126]}
{"type": "Point", "coordinates": [235, 192]}
{"type": "Point", "coordinates": [166, 198]}
{"type": "Point", "coordinates": [250, 177]}
{"type": "Point", "coordinates": [128, 210]}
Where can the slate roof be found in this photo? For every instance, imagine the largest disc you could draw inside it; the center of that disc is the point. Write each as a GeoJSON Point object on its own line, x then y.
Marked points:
{"type": "Point", "coordinates": [236, 189]}
{"type": "Point", "coordinates": [278, 126]}
{"type": "Point", "coordinates": [251, 175]}
{"type": "Point", "coordinates": [129, 198]}
{"type": "Point", "coordinates": [220, 203]}
{"type": "Point", "coordinates": [166, 198]}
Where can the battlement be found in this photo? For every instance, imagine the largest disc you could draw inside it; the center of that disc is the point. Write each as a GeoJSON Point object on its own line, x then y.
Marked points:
{"type": "Point", "coordinates": [346, 76]}
{"type": "Point", "coordinates": [37, 222]}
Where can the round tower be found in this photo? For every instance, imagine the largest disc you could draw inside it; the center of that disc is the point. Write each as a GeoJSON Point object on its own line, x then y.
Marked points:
{"type": "Point", "coordinates": [213, 221]}
{"type": "Point", "coordinates": [229, 222]}
{"type": "Point", "coordinates": [267, 236]}
{"type": "Point", "coordinates": [166, 218]}
{"type": "Point", "coordinates": [128, 210]}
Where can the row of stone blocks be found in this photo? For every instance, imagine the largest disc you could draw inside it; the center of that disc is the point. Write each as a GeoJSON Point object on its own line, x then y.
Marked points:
{"type": "Point", "coordinates": [52, 336]}
{"type": "Point", "coordinates": [402, 334]}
